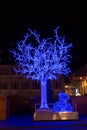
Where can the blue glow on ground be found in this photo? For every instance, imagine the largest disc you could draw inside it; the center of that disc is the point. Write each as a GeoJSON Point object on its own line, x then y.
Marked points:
{"type": "Point", "coordinates": [27, 120]}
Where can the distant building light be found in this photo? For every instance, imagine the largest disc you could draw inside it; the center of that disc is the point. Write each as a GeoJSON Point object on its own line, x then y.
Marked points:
{"type": "Point", "coordinates": [77, 92]}
{"type": "Point", "coordinates": [66, 86]}
{"type": "Point", "coordinates": [80, 77]}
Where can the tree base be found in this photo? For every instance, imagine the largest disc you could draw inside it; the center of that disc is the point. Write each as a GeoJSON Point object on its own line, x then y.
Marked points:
{"type": "Point", "coordinates": [48, 114]}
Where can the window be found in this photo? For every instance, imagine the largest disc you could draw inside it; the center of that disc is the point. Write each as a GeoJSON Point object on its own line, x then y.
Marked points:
{"type": "Point", "coordinates": [3, 85]}
{"type": "Point", "coordinates": [4, 71]}
{"type": "Point", "coordinates": [12, 72]}
{"type": "Point", "coordinates": [14, 86]}
{"type": "Point", "coordinates": [36, 85]}
{"type": "Point", "coordinates": [25, 85]}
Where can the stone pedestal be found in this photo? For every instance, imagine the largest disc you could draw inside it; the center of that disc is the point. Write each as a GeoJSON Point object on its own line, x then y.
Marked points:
{"type": "Point", "coordinates": [48, 114]}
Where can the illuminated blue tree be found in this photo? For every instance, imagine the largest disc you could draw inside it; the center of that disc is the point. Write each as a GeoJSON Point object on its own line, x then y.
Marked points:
{"type": "Point", "coordinates": [43, 59]}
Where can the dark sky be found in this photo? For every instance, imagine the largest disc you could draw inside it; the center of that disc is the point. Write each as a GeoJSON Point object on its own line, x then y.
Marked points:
{"type": "Point", "coordinates": [18, 15]}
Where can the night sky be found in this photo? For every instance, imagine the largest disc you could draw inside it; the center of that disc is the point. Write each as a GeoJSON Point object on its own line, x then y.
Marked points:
{"type": "Point", "coordinates": [16, 16]}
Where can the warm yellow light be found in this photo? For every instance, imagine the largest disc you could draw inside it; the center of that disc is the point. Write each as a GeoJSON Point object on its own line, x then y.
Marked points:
{"type": "Point", "coordinates": [80, 77]}
{"type": "Point", "coordinates": [66, 86]}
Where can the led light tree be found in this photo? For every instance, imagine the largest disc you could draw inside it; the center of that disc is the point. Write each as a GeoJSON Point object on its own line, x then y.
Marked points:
{"type": "Point", "coordinates": [43, 61]}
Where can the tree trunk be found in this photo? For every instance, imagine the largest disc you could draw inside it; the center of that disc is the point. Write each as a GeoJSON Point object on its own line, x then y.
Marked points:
{"type": "Point", "coordinates": [44, 104]}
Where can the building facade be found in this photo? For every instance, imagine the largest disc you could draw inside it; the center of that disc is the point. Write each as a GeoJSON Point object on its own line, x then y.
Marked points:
{"type": "Point", "coordinates": [15, 84]}
{"type": "Point", "coordinates": [78, 80]}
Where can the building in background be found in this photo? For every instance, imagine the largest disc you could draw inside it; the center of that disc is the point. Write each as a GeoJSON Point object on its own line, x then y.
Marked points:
{"type": "Point", "coordinates": [78, 81]}
{"type": "Point", "coordinates": [15, 84]}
